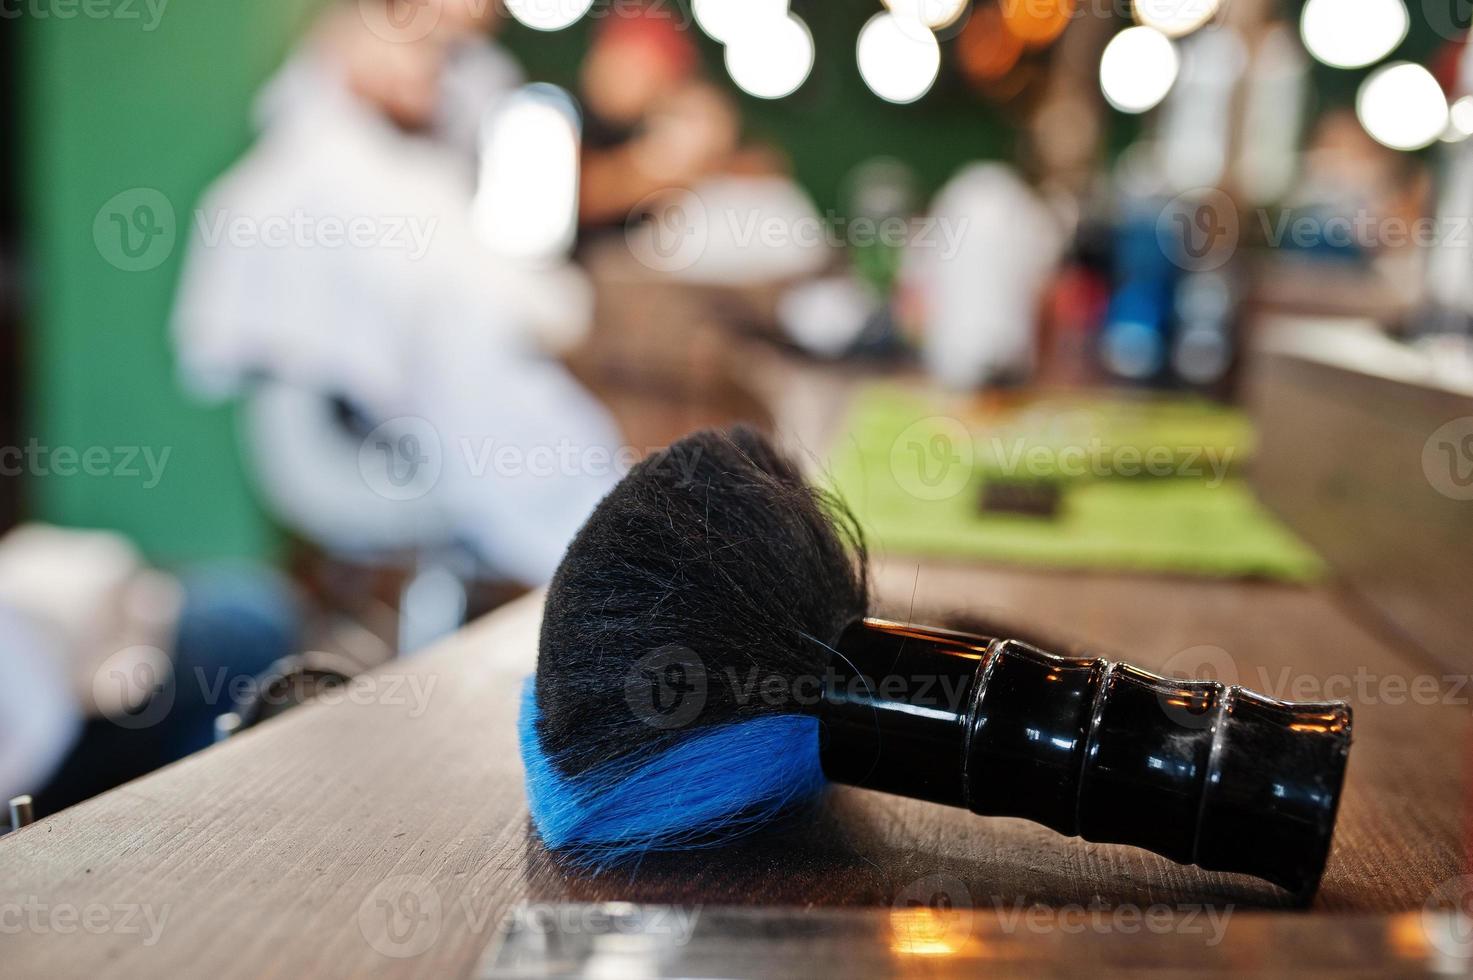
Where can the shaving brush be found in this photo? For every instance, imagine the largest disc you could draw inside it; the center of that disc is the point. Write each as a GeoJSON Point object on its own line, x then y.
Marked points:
{"type": "Point", "coordinates": [706, 663]}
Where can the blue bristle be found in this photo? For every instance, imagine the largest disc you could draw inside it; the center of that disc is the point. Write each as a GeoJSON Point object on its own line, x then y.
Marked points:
{"type": "Point", "coordinates": [705, 790]}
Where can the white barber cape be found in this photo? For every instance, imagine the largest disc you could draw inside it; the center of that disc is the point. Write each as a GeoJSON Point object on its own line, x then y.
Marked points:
{"type": "Point", "coordinates": [337, 259]}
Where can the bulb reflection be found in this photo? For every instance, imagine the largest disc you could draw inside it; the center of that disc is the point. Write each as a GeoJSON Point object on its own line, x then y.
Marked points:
{"type": "Point", "coordinates": [526, 202]}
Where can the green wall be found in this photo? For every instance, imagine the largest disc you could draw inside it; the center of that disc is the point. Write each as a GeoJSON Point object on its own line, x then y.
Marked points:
{"type": "Point", "coordinates": [118, 96]}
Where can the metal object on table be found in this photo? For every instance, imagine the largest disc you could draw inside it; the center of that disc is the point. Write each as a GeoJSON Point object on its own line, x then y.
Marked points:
{"type": "Point", "coordinates": [22, 811]}
{"type": "Point", "coordinates": [226, 725]}
{"type": "Point", "coordinates": [288, 682]}
{"type": "Point", "coordinates": [619, 939]}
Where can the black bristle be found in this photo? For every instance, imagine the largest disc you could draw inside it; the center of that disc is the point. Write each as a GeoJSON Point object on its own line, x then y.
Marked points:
{"type": "Point", "coordinates": [714, 555]}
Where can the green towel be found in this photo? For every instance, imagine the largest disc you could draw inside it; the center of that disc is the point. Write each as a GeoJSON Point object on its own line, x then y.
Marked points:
{"type": "Point", "coordinates": [1149, 484]}
{"type": "Point", "coordinates": [1073, 438]}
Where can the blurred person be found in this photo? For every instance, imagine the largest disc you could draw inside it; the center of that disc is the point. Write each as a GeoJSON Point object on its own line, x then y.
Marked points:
{"type": "Point", "coordinates": [112, 667]}
{"type": "Point", "coordinates": [650, 122]}
{"type": "Point", "coordinates": [1447, 304]}
{"type": "Point", "coordinates": [400, 385]}
{"type": "Point", "coordinates": [440, 71]}
{"type": "Point", "coordinates": [978, 304]}
{"type": "Point", "coordinates": [1365, 207]}
{"type": "Point", "coordinates": [477, 73]}
{"type": "Point", "coordinates": [40, 719]}
{"type": "Point", "coordinates": [1347, 173]}
{"type": "Point", "coordinates": [664, 163]}
{"type": "Point", "coordinates": [687, 233]}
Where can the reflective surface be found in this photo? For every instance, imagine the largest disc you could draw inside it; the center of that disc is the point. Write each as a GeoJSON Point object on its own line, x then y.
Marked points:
{"type": "Point", "coordinates": [895, 709]}
{"type": "Point", "coordinates": [619, 939]}
{"type": "Point", "coordinates": [1193, 770]}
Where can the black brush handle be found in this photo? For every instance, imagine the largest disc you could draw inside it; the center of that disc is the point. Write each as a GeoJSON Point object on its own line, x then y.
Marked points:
{"type": "Point", "coordinates": [1202, 773]}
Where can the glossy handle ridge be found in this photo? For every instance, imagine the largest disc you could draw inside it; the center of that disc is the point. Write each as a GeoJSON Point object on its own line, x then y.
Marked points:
{"type": "Point", "coordinates": [1200, 772]}
{"type": "Point", "coordinates": [1197, 771]}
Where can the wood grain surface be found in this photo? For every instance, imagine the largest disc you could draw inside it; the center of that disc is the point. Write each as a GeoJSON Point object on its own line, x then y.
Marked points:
{"type": "Point", "coordinates": [1350, 458]}
{"type": "Point", "coordinates": [387, 834]}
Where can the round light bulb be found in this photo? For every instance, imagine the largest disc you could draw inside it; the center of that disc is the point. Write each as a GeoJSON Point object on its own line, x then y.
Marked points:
{"type": "Point", "coordinates": [1402, 106]}
{"type": "Point", "coordinates": [548, 15]}
{"type": "Point", "coordinates": [1175, 18]}
{"type": "Point", "coordinates": [934, 14]}
{"type": "Point", "coordinates": [725, 20]}
{"type": "Point", "coordinates": [1352, 33]}
{"type": "Point", "coordinates": [898, 58]}
{"type": "Point", "coordinates": [773, 62]}
{"type": "Point", "coordinates": [1138, 68]}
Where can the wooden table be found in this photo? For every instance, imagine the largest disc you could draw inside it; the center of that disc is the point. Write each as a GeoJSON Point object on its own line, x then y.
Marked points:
{"type": "Point", "coordinates": [387, 834]}
{"type": "Point", "coordinates": [282, 851]}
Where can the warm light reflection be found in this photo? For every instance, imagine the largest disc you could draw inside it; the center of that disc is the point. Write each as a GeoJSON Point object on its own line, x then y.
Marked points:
{"type": "Point", "coordinates": [772, 62]}
{"type": "Point", "coordinates": [1352, 33]}
{"type": "Point", "coordinates": [1402, 106]}
{"type": "Point", "coordinates": [898, 60]}
{"type": "Point", "coordinates": [1138, 68]}
{"type": "Point", "coordinates": [986, 49]}
{"type": "Point", "coordinates": [1036, 22]}
{"type": "Point", "coordinates": [927, 931]}
{"type": "Point", "coordinates": [1407, 936]}
{"type": "Point", "coordinates": [968, 645]}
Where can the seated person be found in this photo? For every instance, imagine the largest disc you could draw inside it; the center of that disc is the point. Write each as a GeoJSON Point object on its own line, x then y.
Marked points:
{"type": "Point", "coordinates": [339, 258]}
